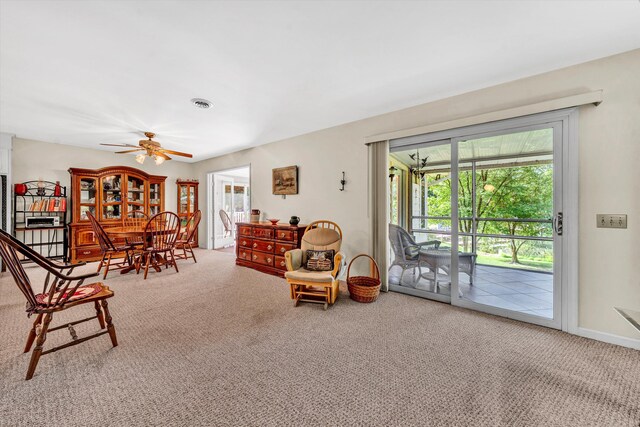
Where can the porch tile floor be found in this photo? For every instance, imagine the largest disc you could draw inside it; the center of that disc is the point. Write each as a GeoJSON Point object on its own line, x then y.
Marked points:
{"type": "Point", "coordinates": [517, 290]}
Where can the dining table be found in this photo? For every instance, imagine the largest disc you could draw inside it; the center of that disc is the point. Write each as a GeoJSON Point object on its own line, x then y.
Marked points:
{"type": "Point", "coordinates": [129, 233]}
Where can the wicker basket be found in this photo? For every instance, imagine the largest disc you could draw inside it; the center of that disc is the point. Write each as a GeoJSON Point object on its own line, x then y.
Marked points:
{"type": "Point", "coordinates": [364, 288]}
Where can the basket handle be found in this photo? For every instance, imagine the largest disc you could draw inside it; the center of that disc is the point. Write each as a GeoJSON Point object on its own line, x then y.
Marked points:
{"type": "Point", "coordinates": [373, 261]}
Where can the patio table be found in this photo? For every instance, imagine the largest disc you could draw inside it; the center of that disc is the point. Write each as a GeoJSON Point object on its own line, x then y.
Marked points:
{"type": "Point", "coordinates": [441, 259]}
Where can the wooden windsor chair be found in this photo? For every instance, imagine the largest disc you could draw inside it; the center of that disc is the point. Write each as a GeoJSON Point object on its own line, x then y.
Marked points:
{"type": "Point", "coordinates": [187, 241]}
{"type": "Point", "coordinates": [160, 236]}
{"type": "Point", "coordinates": [61, 291]}
{"type": "Point", "coordinates": [109, 250]}
{"type": "Point", "coordinates": [136, 219]}
{"type": "Point", "coordinates": [226, 222]}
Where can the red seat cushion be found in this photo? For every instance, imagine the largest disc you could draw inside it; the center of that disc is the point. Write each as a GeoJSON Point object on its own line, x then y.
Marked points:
{"type": "Point", "coordinates": [80, 293]}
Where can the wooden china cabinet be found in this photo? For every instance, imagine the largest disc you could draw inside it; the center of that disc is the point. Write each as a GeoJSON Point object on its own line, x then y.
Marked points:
{"type": "Point", "coordinates": [110, 194]}
{"type": "Point", "coordinates": [187, 202]}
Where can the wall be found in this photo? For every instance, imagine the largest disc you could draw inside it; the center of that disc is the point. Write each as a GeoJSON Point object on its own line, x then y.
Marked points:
{"type": "Point", "coordinates": [34, 159]}
{"type": "Point", "coordinates": [609, 138]}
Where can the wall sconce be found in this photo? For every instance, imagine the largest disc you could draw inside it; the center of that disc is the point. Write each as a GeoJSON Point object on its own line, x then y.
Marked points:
{"type": "Point", "coordinates": [342, 182]}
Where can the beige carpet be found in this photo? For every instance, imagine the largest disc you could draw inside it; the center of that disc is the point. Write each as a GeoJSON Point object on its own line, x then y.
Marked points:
{"type": "Point", "coordinates": [223, 345]}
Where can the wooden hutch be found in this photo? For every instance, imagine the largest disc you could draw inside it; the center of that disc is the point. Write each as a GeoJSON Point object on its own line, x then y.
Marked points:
{"type": "Point", "coordinates": [109, 194]}
{"type": "Point", "coordinates": [261, 245]}
{"type": "Point", "coordinates": [187, 202]}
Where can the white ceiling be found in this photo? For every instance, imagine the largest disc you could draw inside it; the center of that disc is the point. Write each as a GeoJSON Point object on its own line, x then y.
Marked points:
{"type": "Point", "coordinates": [85, 72]}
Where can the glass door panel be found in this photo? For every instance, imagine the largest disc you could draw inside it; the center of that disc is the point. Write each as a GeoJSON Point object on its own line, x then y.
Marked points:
{"type": "Point", "coordinates": [135, 194]}
{"type": "Point", "coordinates": [184, 202]}
{"type": "Point", "coordinates": [417, 249]}
{"type": "Point", "coordinates": [504, 247]}
{"type": "Point", "coordinates": [87, 197]}
{"type": "Point", "coordinates": [112, 197]}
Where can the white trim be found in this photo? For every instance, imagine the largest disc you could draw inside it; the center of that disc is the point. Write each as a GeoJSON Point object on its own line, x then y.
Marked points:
{"type": "Point", "coordinates": [594, 98]}
{"type": "Point", "coordinates": [608, 338]}
{"type": "Point", "coordinates": [210, 213]}
{"type": "Point", "coordinates": [571, 248]}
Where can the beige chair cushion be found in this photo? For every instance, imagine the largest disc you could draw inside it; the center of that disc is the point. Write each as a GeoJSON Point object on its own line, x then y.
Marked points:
{"type": "Point", "coordinates": [320, 239]}
{"type": "Point", "coordinates": [309, 276]}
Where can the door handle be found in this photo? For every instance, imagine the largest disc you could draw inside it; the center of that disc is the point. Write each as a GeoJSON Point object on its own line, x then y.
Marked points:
{"type": "Point", "coordinates": [558, 224]}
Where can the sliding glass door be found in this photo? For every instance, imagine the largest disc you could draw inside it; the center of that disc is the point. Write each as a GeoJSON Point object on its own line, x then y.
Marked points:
{"type": "Point", "coordinates": [484, 226]}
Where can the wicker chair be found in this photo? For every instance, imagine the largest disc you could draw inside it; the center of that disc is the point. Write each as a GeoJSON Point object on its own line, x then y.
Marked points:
{"type": "Point", "coordinates": [406, 251]}
{"type": "Point", "coordinates": [60, 292]}
{"type": "Point", "coordinates": [109, 250]}
{"type": "Point", "coordinates": [315, 286]}
{"type": "Point", "coordinates": [160, 234]}
{"type": "Point", "coordinates": [226, 222]}
{"type": "Point", "coordinates": [187, 241]}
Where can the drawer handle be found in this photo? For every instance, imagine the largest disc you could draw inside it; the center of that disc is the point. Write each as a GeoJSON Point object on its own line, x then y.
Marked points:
{"type": "Point", "coordinates": [281, 263]}
{"type": "Point", "coordinates": [255, 257]}
{"type": "Point", "coordinates": [281, 234]}
{"type": "Point", "coordinates": [244, 242]}
{"type": "Point", "coordinates": [255, 245]}
{"type": "Point", "coordinates": [86, 252]}
{"type": "Point", "coordinates": [269, 247]}
{"type": "Point", "coordinates": [268, 259]}
{"type": "Point", "coordinates": [282, 250]}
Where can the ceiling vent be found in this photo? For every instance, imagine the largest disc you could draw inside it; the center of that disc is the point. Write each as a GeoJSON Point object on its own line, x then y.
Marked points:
{"type": "Point", "coordinates": [201, 103]}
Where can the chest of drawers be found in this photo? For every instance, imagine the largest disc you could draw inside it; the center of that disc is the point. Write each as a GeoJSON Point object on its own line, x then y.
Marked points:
{"type": "Point", "coordinates": [261, 245]}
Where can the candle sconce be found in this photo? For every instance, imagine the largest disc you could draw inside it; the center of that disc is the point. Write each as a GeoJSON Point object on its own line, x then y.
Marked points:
{"type": "Point", "coordinates": [342, 182]}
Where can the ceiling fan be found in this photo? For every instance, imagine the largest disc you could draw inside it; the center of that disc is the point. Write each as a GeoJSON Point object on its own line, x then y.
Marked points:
{"type": "Point", "coordinates": [150, 148]}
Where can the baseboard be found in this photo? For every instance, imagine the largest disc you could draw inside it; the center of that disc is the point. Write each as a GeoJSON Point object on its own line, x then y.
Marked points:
{"type": "Point", "coordinates": [609, 338]}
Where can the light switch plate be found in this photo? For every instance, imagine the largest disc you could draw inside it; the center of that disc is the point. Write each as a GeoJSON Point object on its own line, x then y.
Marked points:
{"type": "Point", "coordinates": [611, 220]}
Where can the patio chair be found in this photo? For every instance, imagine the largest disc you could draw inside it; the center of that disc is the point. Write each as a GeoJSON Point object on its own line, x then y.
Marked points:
{"type": "Point", "coordinates": [60, 292]}
{"type": "Point", "coordinates": [406, 251]}
{"type": "Point", "coordinates": [226, 222]}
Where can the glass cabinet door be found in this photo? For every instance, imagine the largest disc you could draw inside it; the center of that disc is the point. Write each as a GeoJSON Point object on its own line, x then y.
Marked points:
{"type": "Point", "coordinates": [87, 197]}
{"type": "Point", "coordinates": [135, 194]}
{"type": "Point", "coordinates": [112, 197]}
{"type": "Point", "coordinates": [192, 198]}
{"type": "Point", "coordinates": [154, 199]}
{"type": "Point", "coordinates": [184, 202]}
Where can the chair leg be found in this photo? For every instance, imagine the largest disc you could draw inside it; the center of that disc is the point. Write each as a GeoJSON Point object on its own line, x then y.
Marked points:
{"type": "Point", "coordinates": [37, 352]}
{"type": "Point", "coordinates": [147, 261]}
{"type": "Point", "coordinates": [193, 255]}
{"type": "Point", "coordinates": [99, 314]}
{"type": "Point", "coordinates": [106, 270]}
{"type": "Point", "coordinates": [101, 262]}
{"type": "Point", "coordinates": [32, 333]}
{"type": "Point", "coordinates": [173, 259]}
{"type": "Point", "coordinates": [110, 327]}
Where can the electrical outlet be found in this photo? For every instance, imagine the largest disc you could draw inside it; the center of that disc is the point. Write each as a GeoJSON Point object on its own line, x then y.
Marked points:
{"type": "Point", "coordinates": [611, 221]}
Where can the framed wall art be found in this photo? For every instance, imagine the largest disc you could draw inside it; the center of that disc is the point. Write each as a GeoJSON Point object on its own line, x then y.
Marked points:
{"type": "Point", "coordinates": [285, 181]}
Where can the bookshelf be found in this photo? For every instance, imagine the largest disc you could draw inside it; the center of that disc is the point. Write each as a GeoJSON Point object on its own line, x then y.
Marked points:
{"type": "Point", "coordinates": [40, 218]}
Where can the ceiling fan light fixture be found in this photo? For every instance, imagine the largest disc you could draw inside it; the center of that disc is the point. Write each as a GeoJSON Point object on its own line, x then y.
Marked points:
{"type": "Point", "coordinates": [201, 103]}
{"type": "Point", "coordinates": [159, 159]}
{"type": "Point", "coordinates": [140, 158]}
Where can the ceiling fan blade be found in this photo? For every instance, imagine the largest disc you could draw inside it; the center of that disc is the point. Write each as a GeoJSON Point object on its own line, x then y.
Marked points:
{"type": "Point", "coordinates": [129, 151]}
{"type": "Point", "coordinates": [161, 154]}
{"type": "Point", "coordinates": [118, 145]}
{"type": "Point", "coordinates": [177, 153]}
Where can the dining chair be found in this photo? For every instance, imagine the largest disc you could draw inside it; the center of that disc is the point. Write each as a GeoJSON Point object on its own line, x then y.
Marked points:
{"type": "Point", "coordinates": [160, 236]}
{"type": "Point", "coordinates": [60, 292]}
{"type": "Point", "coordinates": [187, 241]}
{"type": "Point", "coordinates": [109, 249]}
{"type": "Point", "coordinates": [136, 219]}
